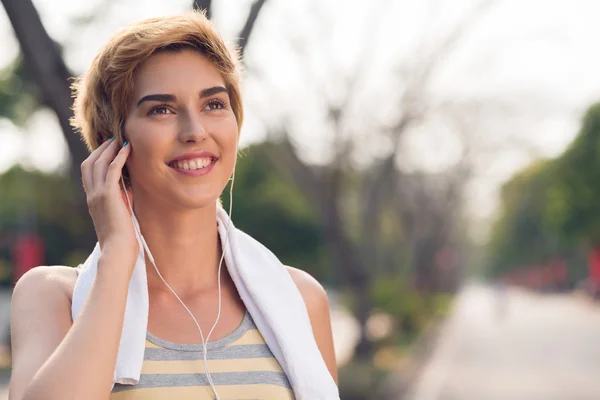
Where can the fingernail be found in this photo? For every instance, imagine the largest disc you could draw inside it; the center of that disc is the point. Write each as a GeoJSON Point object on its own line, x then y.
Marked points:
{"type": "Point", "coordinates": [111, 138]}
{"type": "Point", "coordinates": [125, 144]}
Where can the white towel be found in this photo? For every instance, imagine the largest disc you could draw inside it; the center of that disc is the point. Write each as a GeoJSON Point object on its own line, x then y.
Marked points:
{"type": "Point", "coordinates": [269, 294]}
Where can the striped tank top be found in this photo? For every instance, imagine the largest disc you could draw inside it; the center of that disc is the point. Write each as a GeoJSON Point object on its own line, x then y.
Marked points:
{"type": "Point", "coordinates": [240, 364]}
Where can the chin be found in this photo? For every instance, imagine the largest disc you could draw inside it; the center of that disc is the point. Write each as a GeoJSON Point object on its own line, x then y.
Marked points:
{"type": "Point", "coordinates": [198, 201]}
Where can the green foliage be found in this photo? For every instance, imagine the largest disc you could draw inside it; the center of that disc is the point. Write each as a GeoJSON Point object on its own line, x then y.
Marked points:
{"type": "Point", "coordinates": [359, 380]}
{"type": "Point", "coordinates": [521, 235]}
{"type": "Point", "coordinates": [18, 94]}
{"type": "Point", "coordinates": [269, 207]}
{"type": "Point", "coordinates": [409, 308]}
{"type": "Point", "coordinates": [576, 194]}
{"type": "Point", "coordinates": [551, 208]}
{"type": "Point", "coordinates": [31, 201]}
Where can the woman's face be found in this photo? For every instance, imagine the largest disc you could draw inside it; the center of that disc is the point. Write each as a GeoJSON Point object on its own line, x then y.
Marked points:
{"type": "Point", "coordinates": [182, 130]}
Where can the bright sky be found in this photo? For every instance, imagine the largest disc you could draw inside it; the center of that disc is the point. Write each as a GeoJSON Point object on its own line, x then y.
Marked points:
{"type": "Point", "coordinates": [530, 66]}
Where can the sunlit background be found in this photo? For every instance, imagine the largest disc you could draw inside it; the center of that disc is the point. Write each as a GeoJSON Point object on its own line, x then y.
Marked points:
{"type": "Point", "coordinates": [434, 164]}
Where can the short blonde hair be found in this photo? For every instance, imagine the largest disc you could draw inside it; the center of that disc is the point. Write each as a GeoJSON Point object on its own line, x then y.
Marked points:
{"type": "Point", "coordinates": [103, 94]}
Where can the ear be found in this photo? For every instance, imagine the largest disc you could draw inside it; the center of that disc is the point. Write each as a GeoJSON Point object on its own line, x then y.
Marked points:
{"type": "Point", "coordinates": [125, 171]}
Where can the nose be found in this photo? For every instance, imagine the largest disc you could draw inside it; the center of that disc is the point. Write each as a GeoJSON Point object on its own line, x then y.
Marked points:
{"type": "Point", "coordinates": [192, 129]}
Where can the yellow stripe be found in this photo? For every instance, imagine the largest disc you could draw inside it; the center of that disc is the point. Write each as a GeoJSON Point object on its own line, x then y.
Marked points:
{"type": "Point", "coordinates": [230, 392]}
{"type": "Point", "coordinates": [197, 366]}
{"type": "Point", "coordinates": [252, 336]}
{"type": "Point", "coordinates": [150, 345]}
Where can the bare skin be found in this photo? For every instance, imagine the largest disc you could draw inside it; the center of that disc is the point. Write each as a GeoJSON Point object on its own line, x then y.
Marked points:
{"type": "Point", "coordinates": [54, 358]}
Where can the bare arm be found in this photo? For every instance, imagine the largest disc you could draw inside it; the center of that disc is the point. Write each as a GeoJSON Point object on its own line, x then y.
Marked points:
{"type": "Point", "coordinates": [54, 358]}
{"type": "Point", "coordinates": [317, 304]}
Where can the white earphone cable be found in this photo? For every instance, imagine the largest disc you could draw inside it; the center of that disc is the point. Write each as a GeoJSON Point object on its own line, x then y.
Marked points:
{"type": "Point", "coordinates": [224, 247]}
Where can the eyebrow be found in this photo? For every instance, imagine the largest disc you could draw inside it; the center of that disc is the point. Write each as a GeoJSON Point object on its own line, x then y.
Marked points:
{"type": "Point", "coordinates": [157, 97]}
{"type": "Point", "coordinates": [171, 98]}
{"type": "Point", "coordinates": [212, 91]}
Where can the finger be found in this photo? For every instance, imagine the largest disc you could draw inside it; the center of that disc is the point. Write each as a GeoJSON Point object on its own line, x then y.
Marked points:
{"type": "Point", "coordinates": [87, 166]}
{"type": "Point", "coordinates": [101, 164]}
{"type": "Point", "coordinates": [116, 166]}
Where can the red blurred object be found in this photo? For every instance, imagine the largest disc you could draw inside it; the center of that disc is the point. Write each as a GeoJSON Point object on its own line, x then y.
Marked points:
{"type": "Point", "coordinates": [594, 265]}
{"type": "Point", "coordinates": [27, 253]}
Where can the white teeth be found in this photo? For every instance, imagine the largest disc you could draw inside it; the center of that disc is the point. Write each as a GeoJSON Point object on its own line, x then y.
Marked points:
{"type": "Point", "coordinates": [194, 164]}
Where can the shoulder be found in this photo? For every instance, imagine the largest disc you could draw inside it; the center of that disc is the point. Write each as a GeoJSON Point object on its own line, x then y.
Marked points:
{"type": "Point", "coordinates": [40, 319]}
{"type": "Point", "coordinates": [41, 301]}
{"type": "Point", "coordinates": [46, 281]}
{"type": "Point", "coordinates": [312, 291]}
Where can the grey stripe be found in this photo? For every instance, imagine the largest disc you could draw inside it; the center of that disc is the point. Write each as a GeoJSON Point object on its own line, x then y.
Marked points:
{"type": "Point", "coordinates": [219, 378]}
{"type": "Point", "coordinates": [224, 353]}
{"type": "Point", "coordinates": [247, 324]}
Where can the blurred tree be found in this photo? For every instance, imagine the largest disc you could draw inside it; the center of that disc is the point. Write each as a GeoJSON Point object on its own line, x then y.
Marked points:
{"type": "Point", "coordinates": [18, 95]}
{"type": "Point", "coordinates": [246, 31]}
{"type": "Point", "coordinates": [430, 206]}
{"type": "Point", "coordinates": [522, 235]}
{"type": "Point", "coordinates": [574, 198]}
{"type": "Point", "coordinates": [270, 208]}
{"type": "Point", "coordinates": [551, 208]}
{"type": "Point", "coordinates": [44, 64]}
{"type": "Point", "coordinates": [32, 201]}
{"type": "Point", "coordinates": [356, 203]}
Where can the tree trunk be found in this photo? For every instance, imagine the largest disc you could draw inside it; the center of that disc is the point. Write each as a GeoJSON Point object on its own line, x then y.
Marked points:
{"type": "Point", "coordinates": [203, 5]}
{"type": "Point", "coordinates": [322, 189]}
{"type": "Point", "coordinates": [350, 268]}
{"type": "Point", "coordinates": [43, 60]}
{"type": "Point", "coordinates": [249, 26]}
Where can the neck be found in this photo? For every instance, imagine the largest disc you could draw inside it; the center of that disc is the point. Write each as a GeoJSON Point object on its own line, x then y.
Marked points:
{"type": "Point", "coordinates": [185, 246]}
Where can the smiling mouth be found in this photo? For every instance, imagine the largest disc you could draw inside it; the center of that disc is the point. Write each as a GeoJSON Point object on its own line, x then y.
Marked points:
{"type": "Point", "coordinates": [192, 164]}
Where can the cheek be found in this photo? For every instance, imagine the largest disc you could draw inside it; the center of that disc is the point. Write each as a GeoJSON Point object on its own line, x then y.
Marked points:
{"type": "Point", "coordinates": [148, 142]}
{"type": "Point", "coordinates": [230, 145]}
{"type": "Point", "coordinates": [231, 136]}
{"type": "Point", "coordinates": [149, 137]}
{"type": "Point", "coordinates": [224, 133]}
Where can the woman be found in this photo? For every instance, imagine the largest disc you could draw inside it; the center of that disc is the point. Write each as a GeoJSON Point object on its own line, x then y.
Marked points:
{"type": "Point", "coordinates": [160, 103]}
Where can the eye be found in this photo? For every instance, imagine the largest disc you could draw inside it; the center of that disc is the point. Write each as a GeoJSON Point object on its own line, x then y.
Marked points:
{"type": "Point", "coordinates": [215, 104]}
{"type": "Point", "coordinates": [161, 109]}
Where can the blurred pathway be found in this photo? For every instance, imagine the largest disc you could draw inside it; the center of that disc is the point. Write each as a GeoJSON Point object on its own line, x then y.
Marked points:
{"type": "Point", "coordinates": [543, 347]}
